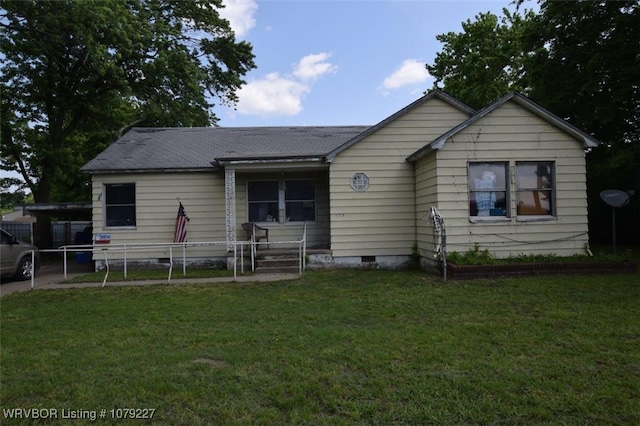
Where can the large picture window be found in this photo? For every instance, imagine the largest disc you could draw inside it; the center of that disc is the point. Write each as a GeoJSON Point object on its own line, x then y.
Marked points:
{"type": "Point", "coordinates": [535, 188]}
{"type": "Point", "coordinates": [488, 189]}
{"type": "Point", "coordinates": [295, 199]}
{"type": "Point", "coordinates": [262, 197]}
{"type": "Point", "coordinates": [120, 204]}
{"type": "Point", "coordinates": [300, 200]}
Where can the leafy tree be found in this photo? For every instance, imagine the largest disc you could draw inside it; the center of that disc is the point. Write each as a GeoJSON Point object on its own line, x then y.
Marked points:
{"type": "Point", "coordinates": [12, 193]}
{"type": "Point", "coordinates": [76, 73]}
{"type": "Point", "coordinates": [485, 61]}
{"type": "Point", "coordinates": [585, 62]}
{"type": "Point", "coordinates": [579, 59]}
{"type": "Point", "coordinates": [585, 66]}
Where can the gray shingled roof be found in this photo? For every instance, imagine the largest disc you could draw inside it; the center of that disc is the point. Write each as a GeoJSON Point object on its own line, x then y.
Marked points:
{"type": "Point", "coordinates": [147, 149]}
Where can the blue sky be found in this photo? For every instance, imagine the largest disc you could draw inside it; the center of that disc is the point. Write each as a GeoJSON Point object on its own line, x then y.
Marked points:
{"type": "Point", "coordinates": [340, 62]}
{"type": "Point", "coordinates": [344, 62]}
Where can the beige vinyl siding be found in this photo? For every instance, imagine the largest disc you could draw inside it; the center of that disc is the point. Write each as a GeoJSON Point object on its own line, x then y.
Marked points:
{"type": "Point", "coordinates": [202, 195]}
{"type": "Point", "coordinates": [382, 220]}
{"type": "Point", "coordinates": [511, 133]}
{"type": "Point", "coordinates": [317, 232]}
{"type": "Point", "coordinates": [426, 196]}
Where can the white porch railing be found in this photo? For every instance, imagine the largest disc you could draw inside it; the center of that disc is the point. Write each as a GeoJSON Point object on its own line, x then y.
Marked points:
{"type": "Point", "coordinates": [301, 243]}
{"type": "Point", "coordinates": [303, 248]}
{"type": "Point", "coordinates": [125, 249]}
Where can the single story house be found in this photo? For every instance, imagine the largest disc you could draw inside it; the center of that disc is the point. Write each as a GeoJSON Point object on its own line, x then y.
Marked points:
{"type": "Point", "coordinates": [509, 178]}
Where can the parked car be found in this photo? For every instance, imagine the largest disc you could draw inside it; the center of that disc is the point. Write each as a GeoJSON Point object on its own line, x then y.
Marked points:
{"type": "Point", "coordinates": [15, 257]}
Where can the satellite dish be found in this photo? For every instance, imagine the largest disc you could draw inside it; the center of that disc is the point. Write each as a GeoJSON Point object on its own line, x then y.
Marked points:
{"type": "Point", "coordinates": [615, 197]}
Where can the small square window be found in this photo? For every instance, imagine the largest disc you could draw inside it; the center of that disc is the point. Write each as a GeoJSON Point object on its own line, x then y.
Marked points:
{"type": "Point", "coordinates": [360, 182]}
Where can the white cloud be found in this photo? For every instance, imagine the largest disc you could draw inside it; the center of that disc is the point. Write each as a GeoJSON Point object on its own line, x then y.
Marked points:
{"type": "Point", "coordinates": [282, 95]}
{"type": "Point", "coordinates": [313, 66]}
{"type": "Point", "coordinates": [410, 72]}
{"type": "Point", "coordinates": [240, 14]}
{"type": "Point", "coordinates": [272, 95]}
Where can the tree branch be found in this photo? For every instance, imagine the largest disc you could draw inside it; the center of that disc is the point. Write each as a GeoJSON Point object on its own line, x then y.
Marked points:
{"type": "Point", "coordinates": [7, 137]}
{"type": "Point", "coordinates": [127, 127]}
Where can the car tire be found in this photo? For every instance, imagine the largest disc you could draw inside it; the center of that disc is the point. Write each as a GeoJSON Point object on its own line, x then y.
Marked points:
{"type": "Point", "coordinates": [24, 269]}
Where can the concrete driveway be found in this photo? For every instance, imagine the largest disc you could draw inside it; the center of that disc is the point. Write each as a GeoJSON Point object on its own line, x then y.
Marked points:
{"type": "Point", "coordinates": [45, 276]}
{"type": "Point", "coordinates": [48, 276]}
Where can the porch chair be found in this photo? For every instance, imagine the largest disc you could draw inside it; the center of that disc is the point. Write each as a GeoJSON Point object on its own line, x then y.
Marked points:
{"type": "Point", "coordinates": [258, 232]}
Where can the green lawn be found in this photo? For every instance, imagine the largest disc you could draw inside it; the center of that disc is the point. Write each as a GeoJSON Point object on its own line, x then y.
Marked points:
{"type": "Point", "coordinates": [335, 347]}
{"type": "Point", "coordinates": [152, 274]}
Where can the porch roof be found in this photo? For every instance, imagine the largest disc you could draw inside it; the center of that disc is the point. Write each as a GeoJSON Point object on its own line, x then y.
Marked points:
{"type": "Point", "coordinates": [206, 148]}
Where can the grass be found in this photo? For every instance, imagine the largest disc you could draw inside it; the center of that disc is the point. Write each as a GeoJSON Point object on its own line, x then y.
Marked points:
{"type": "Point", "coordinates": [335, 347]}
{"type": "Point", "coordinates": [153, 274]}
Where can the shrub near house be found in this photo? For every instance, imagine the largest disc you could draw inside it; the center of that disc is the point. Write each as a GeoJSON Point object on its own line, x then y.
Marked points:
{"type": "Point", "coordinates": [480, 264]}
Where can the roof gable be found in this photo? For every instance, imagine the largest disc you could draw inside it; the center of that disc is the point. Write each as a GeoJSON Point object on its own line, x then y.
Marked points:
{"type": "Point", "coordinates": [434, 94]}
{"type": "Point", "coordinates": [524, 102]}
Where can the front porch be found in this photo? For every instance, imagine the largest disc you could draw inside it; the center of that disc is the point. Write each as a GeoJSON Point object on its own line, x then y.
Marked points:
{"type": "Point", "coordinates": [283, 260]}
{"type": "Point", "coordinates": [290, 204]}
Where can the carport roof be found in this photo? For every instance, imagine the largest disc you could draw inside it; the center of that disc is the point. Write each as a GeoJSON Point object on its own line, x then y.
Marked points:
{"type": "Point", "coordinates": [67, 209]}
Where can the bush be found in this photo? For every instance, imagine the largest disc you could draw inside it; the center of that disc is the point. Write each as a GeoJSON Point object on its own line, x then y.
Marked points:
{"type": "Point", "coordinates": [472, 257]}
{"type": "Point", "coordinates": [476, 256]}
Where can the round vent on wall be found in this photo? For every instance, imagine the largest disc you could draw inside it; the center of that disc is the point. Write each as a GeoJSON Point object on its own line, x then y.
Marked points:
{"type": "Point", "coordinates": [360, 182]}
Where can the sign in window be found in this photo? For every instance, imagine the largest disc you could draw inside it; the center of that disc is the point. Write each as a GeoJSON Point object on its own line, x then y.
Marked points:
{"type": "Point", "coordinates": [488, 189]}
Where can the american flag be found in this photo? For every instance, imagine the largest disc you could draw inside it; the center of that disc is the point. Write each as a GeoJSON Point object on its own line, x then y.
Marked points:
{"type": "Point", "coordinates": [180, 234]}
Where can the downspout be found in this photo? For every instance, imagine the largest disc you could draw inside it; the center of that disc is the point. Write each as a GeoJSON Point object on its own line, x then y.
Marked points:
{"type": "Point", "coordinates": [329, 161]}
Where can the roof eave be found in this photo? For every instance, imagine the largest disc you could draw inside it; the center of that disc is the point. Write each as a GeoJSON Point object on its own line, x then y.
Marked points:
{"type": "Point", "coordinates": [152, 170]}
{"type": "Point", "coordinates": [424, 151]}
{"type": "Point", "coordinates": [270, 163]}
{"type": "Point", "coordinates": [433, 94]}
{"type": "Point", "coordinates": [587, 140]}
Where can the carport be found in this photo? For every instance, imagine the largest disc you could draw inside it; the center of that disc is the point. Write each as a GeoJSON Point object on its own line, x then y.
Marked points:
{"type": "Point", "coordinates": [65, 212]}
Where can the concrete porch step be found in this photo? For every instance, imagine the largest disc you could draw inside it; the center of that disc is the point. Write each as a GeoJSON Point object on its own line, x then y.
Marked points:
{"type": "Point", "coordinates": [277, 262]}
{"type": "Point", "coordinates": [277, 270]}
